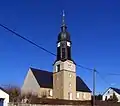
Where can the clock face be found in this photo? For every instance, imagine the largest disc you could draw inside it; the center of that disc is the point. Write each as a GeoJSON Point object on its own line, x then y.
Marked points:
{"type": "Point", "coordinates": [58, 44]}
{"type": "Point", "coordinates": [70, 67]}
{"type": "Point", "coordinates": [68, 44]}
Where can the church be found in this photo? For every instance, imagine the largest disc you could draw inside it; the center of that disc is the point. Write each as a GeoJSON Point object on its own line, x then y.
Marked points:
{"type": "Point", "coordinates": [62, 83]}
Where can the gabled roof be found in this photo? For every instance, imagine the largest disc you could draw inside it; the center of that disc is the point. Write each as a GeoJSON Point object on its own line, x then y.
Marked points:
{"type": "Point", "coordinates": [3, 89]}
{"type": "Point", "coordinates": [45, 80]}
{"type": "Point", "coordinates": [81, 86]}
{"type": "Point", "coordinates": [116, 90]}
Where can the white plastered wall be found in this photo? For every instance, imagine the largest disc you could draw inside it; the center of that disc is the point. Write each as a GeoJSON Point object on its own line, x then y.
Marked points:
{"type": "Point", "coordinates": [5, 96]}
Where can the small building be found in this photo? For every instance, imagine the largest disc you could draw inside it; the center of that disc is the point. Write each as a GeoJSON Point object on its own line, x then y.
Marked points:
{"type": "Point", "coordinates": [62, 83]}
{"type": "Point", "coordinates": [109, 93]}
{"type": "Point", "coordinates": [4, 97]}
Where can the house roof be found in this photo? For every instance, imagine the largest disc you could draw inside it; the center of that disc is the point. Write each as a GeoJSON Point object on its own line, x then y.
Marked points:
{"type": "Point", "coordinates": [45, 80]}
{"type": "Point", "coordinates": [3, 89]}
{"type": "Point", "coordinates": [116, 90]}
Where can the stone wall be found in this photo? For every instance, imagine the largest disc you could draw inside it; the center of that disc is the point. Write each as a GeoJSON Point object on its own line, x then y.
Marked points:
{"type": "Point", "coordinates": [69, 103]}
{"type": "Point", "coordinates": [107, 103]}
{"type": "Point", "coordinates": [47, 92]}
{"type": "Point", "coordinates": [43, 105]}
{"type": "Point", "coordinates": [83, 96]}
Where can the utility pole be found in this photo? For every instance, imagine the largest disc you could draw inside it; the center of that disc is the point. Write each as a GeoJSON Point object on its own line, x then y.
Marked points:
{"type": "Point", "coordinates": [94, 79]}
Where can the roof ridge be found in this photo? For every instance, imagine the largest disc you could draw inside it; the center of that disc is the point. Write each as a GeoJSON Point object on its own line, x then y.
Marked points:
{"type": "Point", "coordinates": [114, 88]}
{"type": "Point", "coordinates": [3, 90]}
{"type": "Point", "coordinates": [36, 69]}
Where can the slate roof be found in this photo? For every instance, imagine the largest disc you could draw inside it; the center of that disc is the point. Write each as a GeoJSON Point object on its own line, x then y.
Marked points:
{"type": "Point", "coordinates": [45, 80]}
{"type": "Point", "coordinates": [116, 90]}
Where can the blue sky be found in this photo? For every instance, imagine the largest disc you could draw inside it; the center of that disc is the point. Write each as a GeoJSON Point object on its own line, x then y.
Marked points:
{"type": "Point", "coordinates": [94, 26]}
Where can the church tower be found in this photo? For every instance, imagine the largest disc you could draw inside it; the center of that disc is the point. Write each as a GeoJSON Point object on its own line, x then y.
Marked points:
{"type": "Point", "coordinates": [64, 72]}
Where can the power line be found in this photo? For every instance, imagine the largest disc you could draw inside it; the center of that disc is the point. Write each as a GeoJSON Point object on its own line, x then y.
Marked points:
{"type": "Point", "coordinates": [113, 74]}
{"type": "Point", "coordinates": [27, 40]}
{"type": "Point", "coordinates": [101, 77]}
{"type": "Point", "coordinates": [84, 67]}
{"type": "Point", "coordinates": [105, 81]}
{"type": "Point", "coordinates": [40, 47]}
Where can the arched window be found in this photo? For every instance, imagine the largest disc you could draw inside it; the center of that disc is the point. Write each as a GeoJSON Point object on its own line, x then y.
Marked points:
{"type": "Point", "coordinates": [58, 68]}
{"type": "Point", "coordinates": [69, 95]}
{"type": "Point", "coordinates": [63, 53]}
{"type": "Point", "coordinates": [78, 95]}
{"type": "Point", "coordinates": [50, 93]}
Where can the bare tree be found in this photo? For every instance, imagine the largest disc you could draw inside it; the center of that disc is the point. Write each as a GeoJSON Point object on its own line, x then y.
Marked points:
{"type": "Point", "coordinates": [29, 97]}
{"type": "Point", "coordinates": [113, 98]}
{"type": "Point", "coordinates": [14, 93]}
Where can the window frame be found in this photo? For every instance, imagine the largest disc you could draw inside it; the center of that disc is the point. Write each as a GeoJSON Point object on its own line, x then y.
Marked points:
{"type": "Point", "coordinates": [50, 92]}
{"type": "Point", "coordinates": [57, 68]}
{"type": "Point", "coordinates": [78, 95]}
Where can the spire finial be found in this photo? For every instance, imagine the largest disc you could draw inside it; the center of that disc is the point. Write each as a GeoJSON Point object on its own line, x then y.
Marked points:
{"type": "Point", "coordinates": [63, 17]}
{"type": "Point", "coordinates": [63, 27]}
{"type": "Point", "coordinates": [63, 13]}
